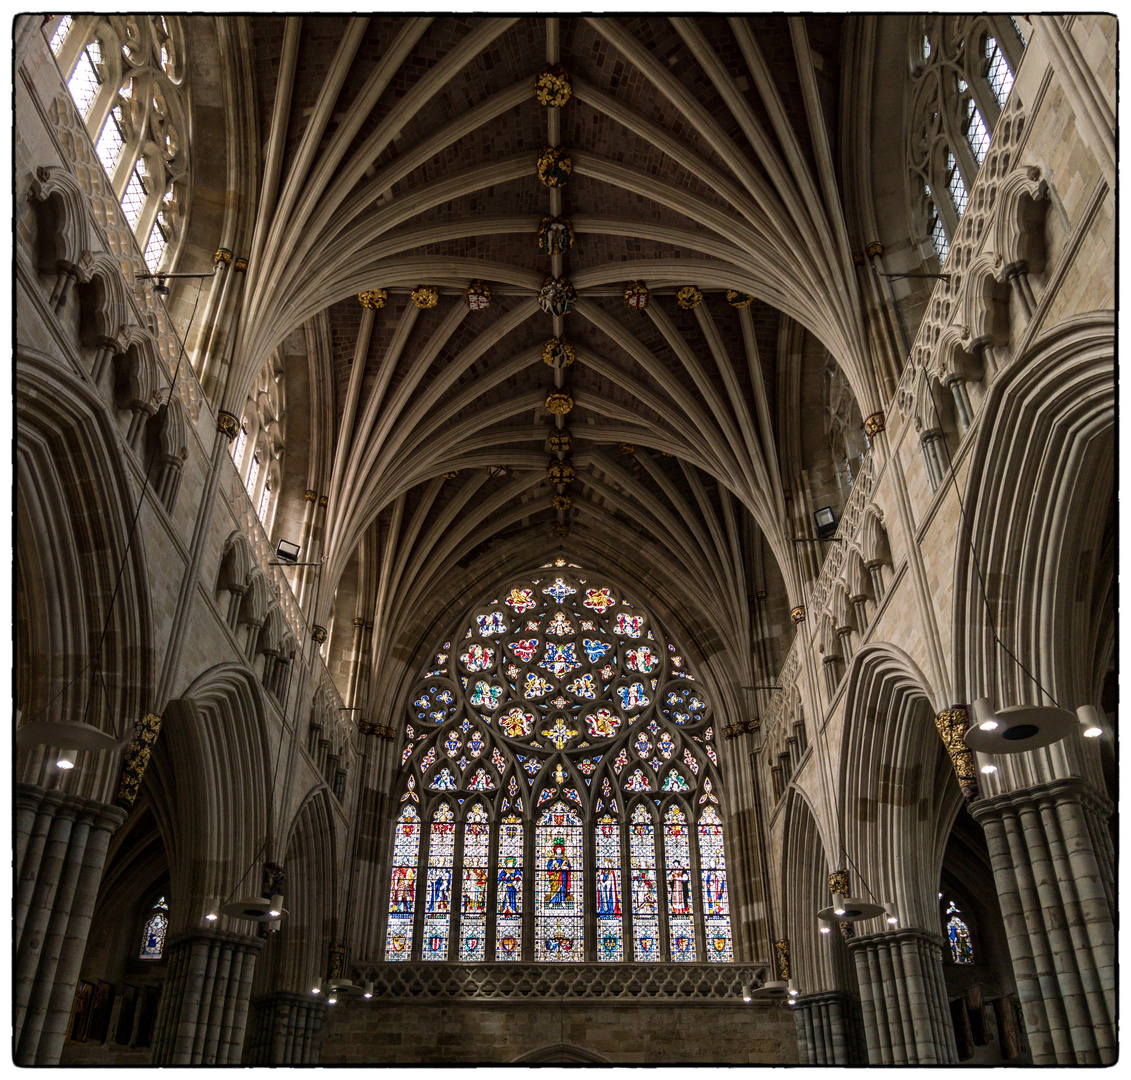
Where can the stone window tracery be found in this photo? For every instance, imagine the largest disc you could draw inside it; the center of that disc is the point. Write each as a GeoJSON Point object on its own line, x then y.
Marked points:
{"type": "Point", "coordinates": [124, 75]}
{"type": "Point", "coordinates": [962, 70]}
{"type": "Point", "coordinates": [560, 725]}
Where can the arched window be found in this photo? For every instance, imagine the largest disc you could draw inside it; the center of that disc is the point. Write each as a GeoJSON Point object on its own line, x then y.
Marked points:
{"type": "Point", "coordinates": [960, 80]}
{"type": "Point", "coordinates": [559, 766]}
{"type": "Point", "coordinates": [125, 76]}
{"type": "Point", "coordinates": [153, 935]}
{"type": "Point", "coordinates": [957, 932]}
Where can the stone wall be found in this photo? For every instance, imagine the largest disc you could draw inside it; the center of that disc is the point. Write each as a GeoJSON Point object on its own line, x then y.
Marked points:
{"type": "Point", "coordinates": [457, 1032]}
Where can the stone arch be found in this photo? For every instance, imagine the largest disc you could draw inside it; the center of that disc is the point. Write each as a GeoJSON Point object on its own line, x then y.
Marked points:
{"type": "Point", "coordinates": [1047, 465]}
{"type": "Point", "coordinates": [904, 796]}
{"type": "Point", "coordinates": [311, 895]}
{"type": "Point", "coordinates": [1019, 223]}
{"type": "Point", "coordinates": [64, 235]}
{"type": "Point", "coordinates": [818, 962]}
{"type": "Point", "coordinates": [561, 1053]}
{"type": "Point", "coordinates": [209, 783]}
{"type": "Point", "coordinates": [74, 505]}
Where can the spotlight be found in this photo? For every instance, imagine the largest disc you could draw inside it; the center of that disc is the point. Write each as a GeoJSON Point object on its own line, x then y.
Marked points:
{"type": "Point", "coordinates": [989, 768]}
{"type": "Point", "coordinates": [331, 1000]}
{"type": "Point", "coordinates": [984, 715]}
{"type": "Point", "coordinates": [793, 991]}
{"type": "Point", "coordinates": [826, 928]}
{"type": "Point", "coordinates": [838, 903]}
{"type": "Point", "coordinates": [317, 987]}
{"type": "Point", "coordinates": [1090, 721]}
{"type": "Point", "coordinates": [276, 906]}
{"type": "Point", "coordinates": [212, 916]}
{"type": "Point", "coordinates": [66, 760]}
{"type": "Point", "coordinates": [369, 988]}
{"type": "Point", "coordinates": [160, 287]}
{"type": "Point", "coordinates": [747, 991]}
{"type": "Point", "coordinates": [892, 917]}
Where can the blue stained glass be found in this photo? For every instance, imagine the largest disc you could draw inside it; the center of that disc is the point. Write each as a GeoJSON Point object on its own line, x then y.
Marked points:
{"type": "Point", "coordinates": [559, 590]}
{"type": "Point", "coordinates": [595, 649]}
{"type": "Point", "coordinates": [641, 659]}
{"type": "Point", "coordinates": [632, 696]}
{"type": "Point", "coordinates": [443, 781]}
{"type": "Point", "coordinates": [610, 929]}
{"type": "Point", "coordinates": [491, 623]}
{"type": "Point", "coordinates": [561, 659]}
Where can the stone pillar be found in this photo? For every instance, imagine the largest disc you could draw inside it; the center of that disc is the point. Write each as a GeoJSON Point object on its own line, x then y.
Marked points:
{"type": "Point", "coordinates": [903, 998]}
{"type": "Point", "coordinates": [61, 843]}
{"type": "Point", "coordinates": [1052, 861]}
{"type": "Point", "coordinates": [203, 1010]}
{"type": "Point", "coordinates": [962, 408]}
{"type": "Point", "coordinates": [286, 1029]}
{"type": "Point", "coordinates": [827, 1026]}
{"type": "Point", "coordinates": [1017, 274]}
{"type": "Point", "coordinates": [876, 573]}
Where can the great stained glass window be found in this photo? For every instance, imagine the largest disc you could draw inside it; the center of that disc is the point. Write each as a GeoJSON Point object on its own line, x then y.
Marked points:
{"type": "Point", "coordinates": [559, 789]}
{"type": "Point", "coordinates": [153, 936]}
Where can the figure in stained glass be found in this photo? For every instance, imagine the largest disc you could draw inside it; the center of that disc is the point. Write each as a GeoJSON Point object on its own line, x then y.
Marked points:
{"type": "Point", "coordinates": [524, 648]}
{"type": "Point", "coordinates": [958, 934]}
{"type": "Point", "coordinates": [491, 623]}
{"type": "Point", "coordinates": [510, 886]}
{"type": "Point", "coordinates": [594, 649]}
{"type": "Point", "coordinates": [558, 876]}
{"type": "Point", "coordinates": [153, 936]}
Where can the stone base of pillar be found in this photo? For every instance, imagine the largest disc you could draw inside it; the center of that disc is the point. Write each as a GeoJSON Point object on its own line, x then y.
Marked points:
{"type": "Point", "coordinates": [285, 1029]}
{"type": "Point", "coordinates": [828, 1023]}
{"type": "Point", "coordinates": [1054, 871]}
{"type": "Point", "coordinates": [203, 1011]}
{"type": "Point", "coordinates": [903, 998]}
{"type": "Point", "coordinates": [61, 843]}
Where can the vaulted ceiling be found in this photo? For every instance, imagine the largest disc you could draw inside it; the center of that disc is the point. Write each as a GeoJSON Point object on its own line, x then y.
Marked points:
{"type": "Point", "coordinates": [402, 151]}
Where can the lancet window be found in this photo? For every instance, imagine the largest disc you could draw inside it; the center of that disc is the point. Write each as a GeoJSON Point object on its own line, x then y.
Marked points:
{"type": "Point", "coordinates": [125, 74]}
{"type": "Point", "coordinates": [559, 798]}
{"type": "Point", "coordinates": [153, 934]}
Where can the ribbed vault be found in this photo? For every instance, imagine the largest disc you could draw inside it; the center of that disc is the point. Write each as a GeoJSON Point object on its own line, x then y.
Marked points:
{"type": "Point", "coordinates": [402, 151]}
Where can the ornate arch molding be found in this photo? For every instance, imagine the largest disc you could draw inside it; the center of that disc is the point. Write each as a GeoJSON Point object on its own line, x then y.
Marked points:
{"type": "Point", "coordinates": [898, 796]}
{"type": "Point", "coordinates": [1038, 498]}
{"type": "Point", "coordinates": [561, 1054]}
{"type": "Point", "coordinates": [209, 783]}
{"type": "Point", "coordinates": [74, 505]}
{"type": "Point", "coordinates": [817, 964]}
{"type": "Point", "coordinates": [312, 898]}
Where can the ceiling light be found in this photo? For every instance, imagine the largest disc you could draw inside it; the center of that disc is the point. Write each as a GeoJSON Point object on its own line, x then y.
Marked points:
{"type": "Point", "coordinates": [826, 926]}
{"type": "Point", "coordinates": [989, 768]}
{"type": "Point", "coordinates": [747, 990]}
{"type": "Point", "coordinates": [317, 987]}
{"type": "Point", "coordinates": [1021, 728]}
{"type": "Point", "coordinates": [212, 916]}
{"type": "Point", "coordinates": [66, 760]}
{"type": "Point", "coordinates": [369, 988]}
{"type": "Point", "coordinates": [984, 715]}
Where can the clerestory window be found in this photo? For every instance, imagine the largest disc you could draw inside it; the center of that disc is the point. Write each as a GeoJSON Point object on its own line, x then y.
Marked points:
{"type": "Point", "coordinates": [961, 79]}
{"type": "Point", "coordinates": [124, 76]}
{"type": "Point", "coordinates": [559, 796]}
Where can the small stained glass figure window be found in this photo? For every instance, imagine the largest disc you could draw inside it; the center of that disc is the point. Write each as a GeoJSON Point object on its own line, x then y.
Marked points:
{"type": "Point", "coordinates": [438, 896]}
{"type": "Point", "coordinates": [473, 895]}
{"type": "Point", "coordinates": [402, 891]}
{"type": "Point", "coordinates": [610, 924]}
{"type": "Point", "coordinates": [958, 934]}
{"type": "Point", "coordinates": [558, 887]}
{"type": "Point", "coordinates": [153, 936]}
{"type": "Point", "coordinates": [508, 903]}
{"type": "Point", "coordinates": [677, 864]}
{"type": "Point", "coordinates": [713, 870]}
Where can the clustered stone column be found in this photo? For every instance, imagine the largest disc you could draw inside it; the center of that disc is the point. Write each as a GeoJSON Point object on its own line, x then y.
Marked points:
{"type": "Point", "coordinates": [903, 998]}
{"type": "Point", "coordinates": [203, 1010]}
{"type": "Point", "coordinates": [61, 843]}
{"type": "Point", "coordinates": [1053, 867]}
{"type": "Point", "coordinates": [827, 1026]}
{"type": "Point", "coordinates": [286, 1029]}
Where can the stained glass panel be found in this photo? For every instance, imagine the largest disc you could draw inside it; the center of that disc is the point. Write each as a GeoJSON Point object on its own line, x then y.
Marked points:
{"type": "Point", "coordinates": [559, 886]}
{"type": "Point", "coordinates": [958, 934]}
{"type": "Point", "coordinates": [402, 891]}
{"type": "Point", "coordinates": [153, 936]}
{"type": "Point", "coordinates": [473, 894]}
{"type": "Point", "coordinates": [438, 899]}
{"type": "Point", "coordinates": [645, 903]}
{"type": "Point", "coordinates": [610, 924]}
{"type": "Point", "coordinates": [508, 902]}
{"type": "Point", "coordinates": [713, 870]}
{"type": "Point", "coordinates": [677, 867]}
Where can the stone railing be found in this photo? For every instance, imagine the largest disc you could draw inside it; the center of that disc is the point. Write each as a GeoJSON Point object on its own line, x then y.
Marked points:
{"type": "Point", "coordinates": [662, 982]}
{"type": "Point", "coordinates": [846, 532]}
